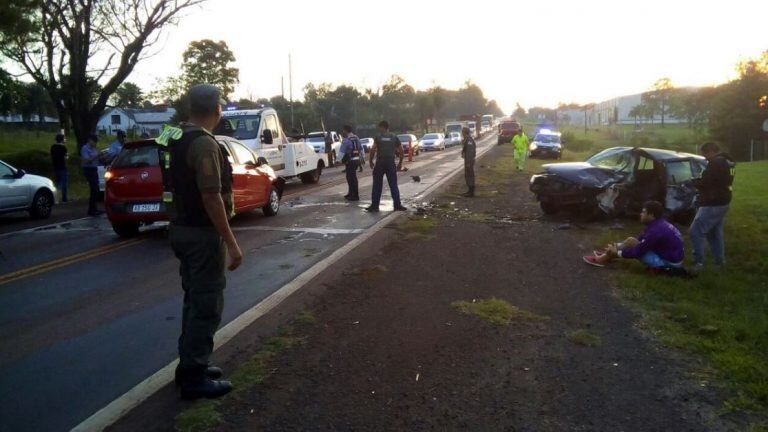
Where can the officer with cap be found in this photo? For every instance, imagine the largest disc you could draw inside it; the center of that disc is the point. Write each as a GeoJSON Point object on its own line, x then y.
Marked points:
{"type": "Point", "coordinates": [199, 177]}
{"type": "Point", "coordinates": [351, 152]}
{"type": "Point", "coordinates": [385, 147]}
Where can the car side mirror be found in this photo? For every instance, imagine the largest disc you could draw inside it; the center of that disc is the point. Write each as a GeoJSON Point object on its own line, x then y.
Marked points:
{"type": "Point", "coordinates": [20, 173]}
{"type": "Point", "coordinates": [261, 161]}
{"type": "Point", "coordinates": [266, 137]}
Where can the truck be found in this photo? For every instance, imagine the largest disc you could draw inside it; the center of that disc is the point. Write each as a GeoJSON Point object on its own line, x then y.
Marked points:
{"type": "Point", "coordinates": [455, 126]}
{"type": "Point", "coordinates": [472, 119]}
{"type": "Point", "coordinates": [261, 131]}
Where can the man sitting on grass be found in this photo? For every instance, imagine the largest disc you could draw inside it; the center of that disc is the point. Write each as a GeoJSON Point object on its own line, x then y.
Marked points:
{"type": "Point", "coordinates": [659, 247]}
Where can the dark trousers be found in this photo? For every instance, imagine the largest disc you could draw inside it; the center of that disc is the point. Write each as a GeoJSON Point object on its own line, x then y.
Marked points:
{"type": "Point", "coordinates": [62, 182]}
{"type": "Point", "coordinates": [92, 177]}
{"type": "Point", "coordinates": [381, 169]}
{"type": "Point", "coordinates": [469, 171]}
{"type": "Point", "coordinates": [202, 255]}
{"type": "Point", "coordinates": [351, 171]}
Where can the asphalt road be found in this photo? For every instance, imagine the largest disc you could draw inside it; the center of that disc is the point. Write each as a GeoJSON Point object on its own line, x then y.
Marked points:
{"type": "Point", "coordinates": [84, 317]}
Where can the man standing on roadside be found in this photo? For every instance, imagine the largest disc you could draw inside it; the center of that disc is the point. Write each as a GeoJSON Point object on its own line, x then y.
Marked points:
{"type": "Point", "coordinates": [520, 142]}
{"type": "Point", "coordinates": [89, 160]}
{"type": "Point", "coordinates": [59, 156]}
{"type": "Point", "coordinates": [386, 146]}
{"type": "Point", "coordinates": [329, 148]}
{"type": "Point", "coordinates": [351, 152]}
{"type": "Point", "coordinates": [200, 178]}
{"type": "Point", "coordinates": [468, 151]}
{"type": "Point", "coordinates": [714, 201]}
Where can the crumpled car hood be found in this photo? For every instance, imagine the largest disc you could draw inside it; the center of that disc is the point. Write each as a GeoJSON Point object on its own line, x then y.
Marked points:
{"type": "Point", "coordinates": [583, 174]}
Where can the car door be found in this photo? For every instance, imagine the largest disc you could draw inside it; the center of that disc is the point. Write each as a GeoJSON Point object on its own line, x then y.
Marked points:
{"type": "Point", "coordinates": [680, 194]}
{"type": "Point", "coordinates": [274, 152]}
{"type": "Point", "coordinates": [239, 178]}
{"type": "Point", "coordinates": [256, 189]}
{"type": "Point", "coordinates": [14, 192]}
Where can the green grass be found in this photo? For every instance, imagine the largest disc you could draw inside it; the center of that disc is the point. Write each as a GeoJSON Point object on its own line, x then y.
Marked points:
{"type": "Point", "coordinates": [495, 311]}
{"type": "Point", "coordinates": [671, 136]}
{"type": "Point", "coordinates": [721, 315]}
{"type": "Point", "coordinates": [584, 337]}
{"type": "Point", "coordinates": [205, 415]}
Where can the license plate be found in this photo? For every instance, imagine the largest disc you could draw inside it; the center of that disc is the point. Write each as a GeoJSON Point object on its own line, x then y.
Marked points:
{"type": "Point", "coordinates": [146, 208]}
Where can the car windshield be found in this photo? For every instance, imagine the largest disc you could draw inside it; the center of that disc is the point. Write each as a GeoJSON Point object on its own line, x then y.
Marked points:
{"type": "Point", "coordinates": [547, 139]}
{"type": "Point", "coordinates": [430, 137]}
{"type": "Point", "coordinates": [404, 138]}
{"type": "Point", "coordinates": [453, 128]}
{"type": "Point", "coordinates": [240, 127]}
{"type": "Point", "coordinates": [510, 126]}
{"type": "Point", "coordinates": [137, 157]}
{"type": "Point", "coordinates": [617, 159]}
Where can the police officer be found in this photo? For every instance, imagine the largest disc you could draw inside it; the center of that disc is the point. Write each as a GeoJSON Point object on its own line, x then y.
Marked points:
{"type": "Point", "coordinates": [200, 178]}
{"type": "Point", "coordinates": [520, 142]}
{"type": "Point", "coordinates": [468, 151]}
{"type": "Point", "coordinates": [386, 146]}
{"type": "Point", "coordinates": [351, 152]}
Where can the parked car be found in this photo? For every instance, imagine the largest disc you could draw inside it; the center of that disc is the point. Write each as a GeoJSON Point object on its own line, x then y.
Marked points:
{"type": "Point", "coordinates": [619, 180]}
{"type": "Point", "coordinates": [546, 144]}
{"type": "Point", "coordinates": [432, 141]}
{"type": "Point", "coordinates": [135, 185]}
{"type": "Point", "coordinates": [367, 143]}
{"type": "Point", "coordinates": [20, 191]}
{"type": "Point", "coordinates": [317, 140]}
{"type": "Point", "coordinates": [408, 141]}
{"type": "Point", "coordinates": [452, 139]}
{"type": "Point", "coordinates": [508, 129]}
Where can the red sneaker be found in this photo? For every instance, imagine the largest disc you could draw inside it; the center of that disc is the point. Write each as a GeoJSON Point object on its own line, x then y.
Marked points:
{"type": "Point", "coordinates": [591, 260]}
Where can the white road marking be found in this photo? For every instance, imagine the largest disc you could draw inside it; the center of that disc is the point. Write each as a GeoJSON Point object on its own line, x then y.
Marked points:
{"type": "Point", "coordinates": [298, 229]}
{"type": "Point", "coordinates": [139, 393]}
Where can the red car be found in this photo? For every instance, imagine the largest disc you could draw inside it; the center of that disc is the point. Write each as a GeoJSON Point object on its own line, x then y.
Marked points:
{"type": "Point", "coordinates": [134, 185]}
{"type": "Point", "coordinates": [508, 129]}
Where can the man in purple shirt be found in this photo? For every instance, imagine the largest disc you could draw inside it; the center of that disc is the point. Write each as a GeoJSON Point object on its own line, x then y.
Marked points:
{"type": "Point", "coordinates": [659, 246]}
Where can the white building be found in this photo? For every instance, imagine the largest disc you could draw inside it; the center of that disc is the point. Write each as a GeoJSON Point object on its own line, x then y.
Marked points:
{"type": "Point", "coordinates": [34, 118]}
{"type": "Point", "coordinates": [141, 121]}
{"type": "Point", "coordinates": [612, 111]}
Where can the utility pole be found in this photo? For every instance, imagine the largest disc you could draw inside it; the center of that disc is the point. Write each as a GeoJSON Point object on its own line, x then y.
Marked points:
{"type": "Point", "coordinates": [282, 86]}
{"type": "Point", "coordinates": [290, 86]}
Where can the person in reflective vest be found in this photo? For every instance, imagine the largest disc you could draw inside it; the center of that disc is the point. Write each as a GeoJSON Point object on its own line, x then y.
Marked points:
{"type": "Point", "coordinates": [520, 142]}
{"type": "Point", "coordinates": [351, 152]}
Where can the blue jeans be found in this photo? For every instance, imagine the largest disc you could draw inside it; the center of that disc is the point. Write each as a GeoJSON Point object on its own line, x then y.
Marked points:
{"type": "Point", "coordinates": [62, 181]}
{"type": "Point", "coordinates": [708, 226]}
{"type": "Point", "coordinates": [652, 260]}
{"type": "Point", "coordinates": [381, 169]}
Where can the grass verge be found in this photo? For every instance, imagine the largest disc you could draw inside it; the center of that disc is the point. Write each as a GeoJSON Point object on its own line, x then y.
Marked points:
{"type": "Point", "coordinates": [205, 415]}
{"type": "Point", "coordinates": [720, 315]}
{"type": "Point", "coordinates": [496, 311]}
{"type": "Point", "coordinates": [584, 337]}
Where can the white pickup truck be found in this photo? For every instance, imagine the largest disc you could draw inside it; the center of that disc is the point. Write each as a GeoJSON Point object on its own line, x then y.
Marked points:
{"type": "Point", "coordinates": [260, 130]}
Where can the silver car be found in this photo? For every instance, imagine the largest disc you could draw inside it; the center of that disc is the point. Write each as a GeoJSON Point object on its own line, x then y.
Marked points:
{"type": "Point", "coordinates": [20, 191]}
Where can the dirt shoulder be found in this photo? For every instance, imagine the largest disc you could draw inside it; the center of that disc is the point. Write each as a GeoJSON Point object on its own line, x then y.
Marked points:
{"type": "Point", "coordinates": [388, 348]}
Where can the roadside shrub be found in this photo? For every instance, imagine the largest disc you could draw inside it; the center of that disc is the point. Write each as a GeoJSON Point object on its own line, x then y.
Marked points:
{"type": "Point", "coordinates": [579, 145]}
{"type": "Point", "coordinates": [32, 161]}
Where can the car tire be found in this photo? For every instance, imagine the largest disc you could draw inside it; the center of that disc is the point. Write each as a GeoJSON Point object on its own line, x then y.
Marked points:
{"type": "Point", "coordinates": [549, 208]}
{"type": "Point", "coordinates": [313, 176]}
{"type": "Point", "coordinates": [42, 204]}
{"type": "Point", "coordinates": [273, 205]}
{"type": "Point", "coordinates": [126, 229]}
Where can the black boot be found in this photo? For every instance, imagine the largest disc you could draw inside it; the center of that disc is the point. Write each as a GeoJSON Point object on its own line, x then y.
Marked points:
{"type": "Point", "coordinates": [211, 372]}
{"type": "Point", "coordinates": [204, 387]}
{"type": "Point", "coordinates": [470, 193]}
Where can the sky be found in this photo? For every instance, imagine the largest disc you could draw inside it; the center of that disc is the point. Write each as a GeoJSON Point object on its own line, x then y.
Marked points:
{"type": "Point", "coordinates": [536, 53]}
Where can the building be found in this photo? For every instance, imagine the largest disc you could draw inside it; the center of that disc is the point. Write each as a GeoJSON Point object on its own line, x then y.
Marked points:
{"type": "Point", "coordinates": [140, 122]}
{"type": "Point", "coordinates": [612, 111]}
{"type": "Point", "coordinates": [34, 118]}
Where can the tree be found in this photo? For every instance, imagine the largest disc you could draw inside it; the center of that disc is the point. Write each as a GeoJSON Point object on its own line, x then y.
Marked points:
{"type": "Point", "coordinates": [11, 94]}
{"type": "Point", "coordinates": [128, 95]}
{"type": "Point", "coordinates": [206, 61]}
{"type": "Point", "coordinates": [636, 112]}
{"type": "Point", "coordinates": [658, 98]}
{"type": "Point", "coordinates": [519, 111]}
{"type": "Point", "coordinates": [36, 102]}
{"type": "Point", "coordinates": [80, 51]}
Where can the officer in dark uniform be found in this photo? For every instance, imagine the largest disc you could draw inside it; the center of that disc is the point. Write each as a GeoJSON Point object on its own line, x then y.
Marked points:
{"type": "Point", "coordinates": [199, 177]}
{"type": "Point", "coordinates": [386, 146]}
{"type": "Point", "coordinates": [468, 152]}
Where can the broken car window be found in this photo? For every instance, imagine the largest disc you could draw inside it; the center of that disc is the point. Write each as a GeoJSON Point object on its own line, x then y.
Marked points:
{"type": "Point", "coordinates": [620, 160]}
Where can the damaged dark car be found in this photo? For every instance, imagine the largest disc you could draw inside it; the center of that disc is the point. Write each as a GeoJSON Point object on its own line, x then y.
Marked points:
{"type": "Point", "coordinates": [617, 181]}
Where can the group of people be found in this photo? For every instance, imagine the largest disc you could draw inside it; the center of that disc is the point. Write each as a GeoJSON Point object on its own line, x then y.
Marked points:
{"type": "Point", "coordinates": [90, 158]}
{"type": "Point", "coordinates": [660, 247]}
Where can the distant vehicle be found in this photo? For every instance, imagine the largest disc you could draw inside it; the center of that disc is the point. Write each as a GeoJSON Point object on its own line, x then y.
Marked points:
{"type": "Point", "coordinates": [619, 180]}
{"type": "Point", "coordinates": [455, 126]}
{"type": "Point", "coordinates": [487, 118]}
{"type": "Point", "coordinates": [546, 144]}
{"type": "Point", "coordinates": [485, 127]}
{"type": "Point", "coordinates": [135, 185]}
{"type": "Point", "coordinates": [432, 141]}
{"type": "Point", "coordinates": [367, 143]}
{"type": "Point", "coordinates": [260, 131]}
{"type": "Point", "coordinates": [508, 129]}
{"type": "Point", "coordinates": [20, 191]}
{"type": "Point", "coordinates": [317, 140]}
{"type": "Point", "coordinates": [409, 141]}
{"type": "Point", "coordinates": [452, 139]}
{"type": "Point", "coordinates": [473, 129]}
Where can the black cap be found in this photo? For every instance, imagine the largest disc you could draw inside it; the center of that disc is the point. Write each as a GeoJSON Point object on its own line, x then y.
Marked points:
{"type": "Point", "coordinates": [204, 98]}
{"type": "Point", "coordinates": [120, 133]}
